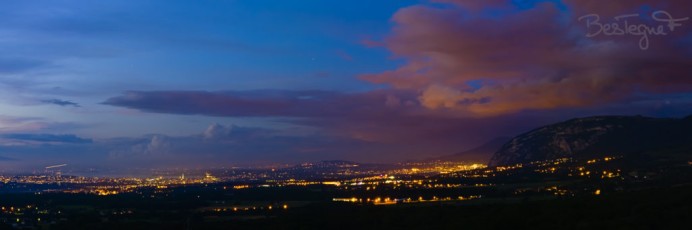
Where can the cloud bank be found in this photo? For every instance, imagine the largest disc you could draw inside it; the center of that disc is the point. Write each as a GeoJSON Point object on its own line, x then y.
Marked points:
{"type": "Point", "coordinates": [60, 102]}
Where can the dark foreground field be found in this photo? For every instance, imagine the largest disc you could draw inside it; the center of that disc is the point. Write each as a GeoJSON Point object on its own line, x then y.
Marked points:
{"type": "Point", "coordinates": [662, 208]}
{"type": "Point", "coordinates": [652, 209]}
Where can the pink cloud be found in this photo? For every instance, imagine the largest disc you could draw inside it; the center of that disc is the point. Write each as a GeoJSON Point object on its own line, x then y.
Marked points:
{"type": "Point", "coordinates": [534, 59]}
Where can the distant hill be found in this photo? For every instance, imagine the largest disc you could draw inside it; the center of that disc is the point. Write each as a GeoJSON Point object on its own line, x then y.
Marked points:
{"type": "Point", "coordinates": [481, 153]}
{"type": "Point", "coordinates": [599, 136]}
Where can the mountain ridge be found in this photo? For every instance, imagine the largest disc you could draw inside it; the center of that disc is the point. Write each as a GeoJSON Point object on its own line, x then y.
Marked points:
{"type": "Point", "coordinates": [596, 136]}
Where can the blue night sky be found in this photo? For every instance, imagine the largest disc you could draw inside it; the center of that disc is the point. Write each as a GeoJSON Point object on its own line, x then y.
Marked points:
{"type": "Point", "coordinates": [219, 83]}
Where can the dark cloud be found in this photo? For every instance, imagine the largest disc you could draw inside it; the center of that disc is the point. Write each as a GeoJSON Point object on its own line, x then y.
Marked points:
{"type": "Point", "coordinates": [266, 103]}
{"type": "Point", "coordinates": [46, 138]}
{"type": "Point", "coordinates": [60, 102]}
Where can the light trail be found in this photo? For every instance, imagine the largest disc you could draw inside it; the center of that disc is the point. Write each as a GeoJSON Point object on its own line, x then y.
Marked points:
{"type": "Point", "coordinates": [56, 166]}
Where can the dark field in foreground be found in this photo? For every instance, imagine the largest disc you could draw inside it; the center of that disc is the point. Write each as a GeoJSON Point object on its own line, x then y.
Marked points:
{"type": "Point", "coordinates": [650, 209]}
{"type": "Point", "coordinates": [661, 208]}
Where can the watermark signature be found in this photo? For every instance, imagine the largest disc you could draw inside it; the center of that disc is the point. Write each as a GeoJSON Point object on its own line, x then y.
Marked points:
{"type": "Point", "coordinates": [622, 27]}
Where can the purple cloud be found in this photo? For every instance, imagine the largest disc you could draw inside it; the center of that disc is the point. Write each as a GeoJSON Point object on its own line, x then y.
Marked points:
{"type": "Point", "coordinates": [46, 138]}
{"type": "Point", "coordinates": [266, 103]}
{"type": "Point", "coordinates": [60, 102]}
{"type": "Point", "coordinates": [462, 58]}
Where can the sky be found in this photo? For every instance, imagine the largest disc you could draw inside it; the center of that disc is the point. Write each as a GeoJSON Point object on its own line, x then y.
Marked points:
{"type": "Point", "coordinates": [157, 84]}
